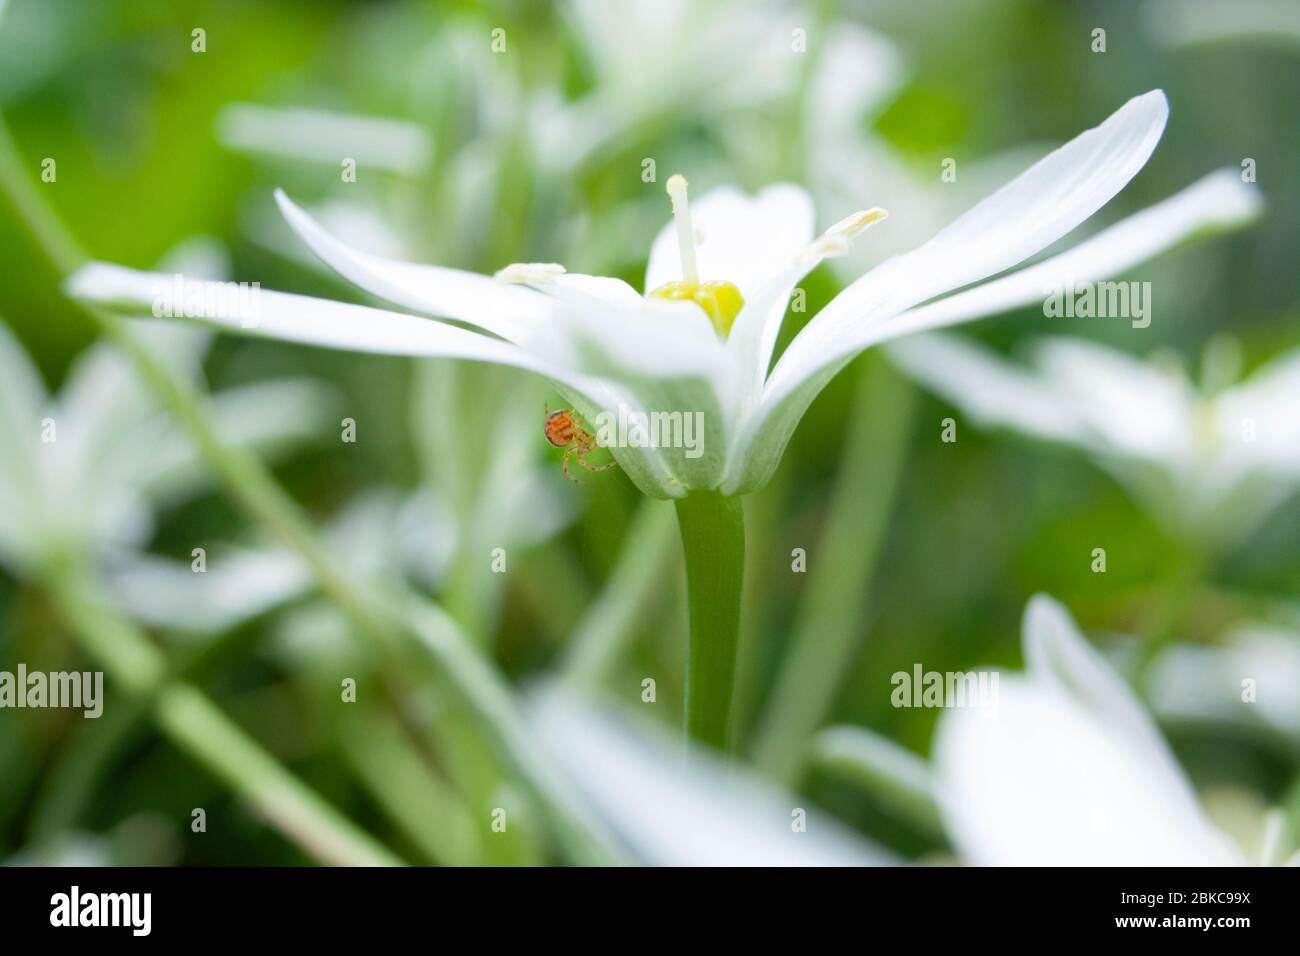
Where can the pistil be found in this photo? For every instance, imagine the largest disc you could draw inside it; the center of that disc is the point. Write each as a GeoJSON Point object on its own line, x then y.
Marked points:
{"type": "Point", "coordinates": [720, 300]}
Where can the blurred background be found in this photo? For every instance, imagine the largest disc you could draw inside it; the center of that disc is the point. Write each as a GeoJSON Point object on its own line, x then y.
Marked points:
{"type": "Point", "coordinates": [477, 148]}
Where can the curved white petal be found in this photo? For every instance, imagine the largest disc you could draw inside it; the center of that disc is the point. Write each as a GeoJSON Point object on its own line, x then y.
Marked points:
{"type": "Point", "coordinates": [512, 312]}
{"type": "Point", "coordinates": [740, 239]}
{"type": "Point", "coordinates": [673, 809]}
{"type": "Point", "coordinates": [1218, 201]}
{"type": "Point", "coordinates": [1192, 22]}
{"type": "Point", "coordinates": [1136, 409]}
{"type": "Point", "coordinates": [753, 336]}
{"type": "Point", "coordinates": [103, 397]}
{"type": "Point", "coordinates": [311, 321]}
{"type": "Point", "coordinates": [22, 406]}
{"type": "Point", "coordinates": [329, 324]}
{"type": "Point", "coordinates": [1257, 423]}
{"type": "Point", "coordinates": [1203, 683]}
{"type": "Point", "coordinates": [1026, 215]}
{"type": "Point", "coordinates": [1057, 655]}
{"type": "Point", "coordinates": [991, 390]}
{"type": "Point", "coordinates": [22, 394]}
{"type": "Point", "coordinates": [595, 324]}
{"type": "Point", "coordinates": [156, 457]}
{"type": "Point", "coordinates": [604, 325]}
{"type": "Point", "coordinates": [1066, 768]}
{"type": "Point", "coordinates": [1036, 782]}
{"type": "Point", "coordinates": [325, 136]}
{"type": "Point", "coordinates": [236, 586]}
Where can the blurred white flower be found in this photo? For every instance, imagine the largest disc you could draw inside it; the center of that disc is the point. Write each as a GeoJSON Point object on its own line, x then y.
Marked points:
{"type": "Point", "coordinates": [1209, 461]}
{"type": "Point", "coordinates": [1195, 22]}
{"type": "Point", "coordinates": [380, 532]}
{"type": "Point", "coordinates": [671, 808]}
{"type": "Point", "coordinates": [607, 347]}
{"type": "Point", "coordinates": [653, 59]}
{"type": "Point", "coordinates": [82, 472]}
{"type": "Point", "coordinates": [1251, 679]}
{"type": "Point", "coordinates": [326, 137]}
{"type": "Point", "coordinates": [1067, 769]}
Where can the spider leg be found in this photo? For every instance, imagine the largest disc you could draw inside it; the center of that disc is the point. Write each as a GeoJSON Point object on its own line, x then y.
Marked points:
{"type": "Point", "coordinates": [568, 474]}
{"type": "Point", "coordinates": [582, 460]}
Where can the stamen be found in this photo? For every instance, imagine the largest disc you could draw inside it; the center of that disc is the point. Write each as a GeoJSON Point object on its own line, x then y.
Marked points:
{"type": "Point", "coordinates": [530, 273]}
{"type": "Point", "coordinates": [850, 226]}
{"type": "Point", "coordinates": [685, 231]}
{"type": "Point", "coordinates": [835, 240]}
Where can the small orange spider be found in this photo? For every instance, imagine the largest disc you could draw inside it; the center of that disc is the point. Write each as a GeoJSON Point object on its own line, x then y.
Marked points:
{"type": "Point", "coordinates": [563, 431]}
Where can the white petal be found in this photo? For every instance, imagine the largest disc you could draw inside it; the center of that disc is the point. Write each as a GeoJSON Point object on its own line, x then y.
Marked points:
{"type": "Point", "coordinates": [744, 239]}
{"type": "Point", "coordinates": [602, 324]}
{"type": "Point", "coordinates": [272, 418]}
{"type": "Point", "coordinates": [1058, 657]}
{"type": "Point", "coordinates": [1036, 780]}
{"type": "Point", "coordinates": [1217, 201]}
{"type": "Point", "coordinates": [809, 363]}
{"type": "Point", "coordinates": [340, 325]}
{"type": "Point", "coordinates": [1137, 409]}
{"type": "Point", "coordinates": [1026, 215]}
{"type": "Point", "coordinates": [22, 406]}
{"type": "Point", "coordinates": [509, 311]}
{"type": "Point", "coordinates": [673, 810]}
{"type": "Point", "coordinates": [311, 321]}
{"type": "Point", "coordinates": [857, 71]}
{"type": "Point", "coordinates": [237, 585]}
{"type": "Point", "coordinates": [1190, 22]}
{"type": "Point", "coordinates": [324, 136]}
{"type": "Point", "coordinates": [22, 402]}
{"type": "Point", "coordinates": [991, 390]}
{"type": "Point", "coordinates": [1257, 423]}
{"type": "Point", "coordinates": [597, 324]}
{"type": "Point", "coordinates": [1066, 768]}
{"type": "Point", "coordinates": [753, 336]}
{"type": "Point", "coordinates": [103, 396]}
{"type": "Point", "coordinates": [1200, 683]}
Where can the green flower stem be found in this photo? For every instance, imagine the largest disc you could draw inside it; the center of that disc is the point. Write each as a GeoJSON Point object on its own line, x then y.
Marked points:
{"type": "Point", "coordinates": [196, 725]}
{"type": "Point", "coordinates": [713, 538]}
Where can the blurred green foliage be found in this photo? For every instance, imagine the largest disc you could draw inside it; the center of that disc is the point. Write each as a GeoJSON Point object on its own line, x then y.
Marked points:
{"type": "Point", "coordinates": [110, 88]}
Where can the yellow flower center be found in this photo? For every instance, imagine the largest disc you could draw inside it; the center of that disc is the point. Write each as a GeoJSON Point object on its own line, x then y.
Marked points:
{"type": "Point", "coordinates": [720, 300]}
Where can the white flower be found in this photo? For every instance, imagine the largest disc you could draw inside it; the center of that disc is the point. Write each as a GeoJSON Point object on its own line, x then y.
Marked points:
{"type": "Point", "coordinates": [1195, 22]}
{"type": "Point", "coordinates": [381, 531]}
{"type": "Point", "coordinates": [1207, 684]}
{"type": "Point", "coordinates": [652, 59]}
{"type": "Point", "coordinates": [1208, 461]}
{"type": "Point", "coordinates": [81, 472]}
{"type": "Point", "coordinates": [322, 136]}
{"type": "Point", "coordinates": [605, 345]}
{"type": "Point", "coordinates": [674, 809]}
{"type": "Point", "coordinates": [1067, 769]}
